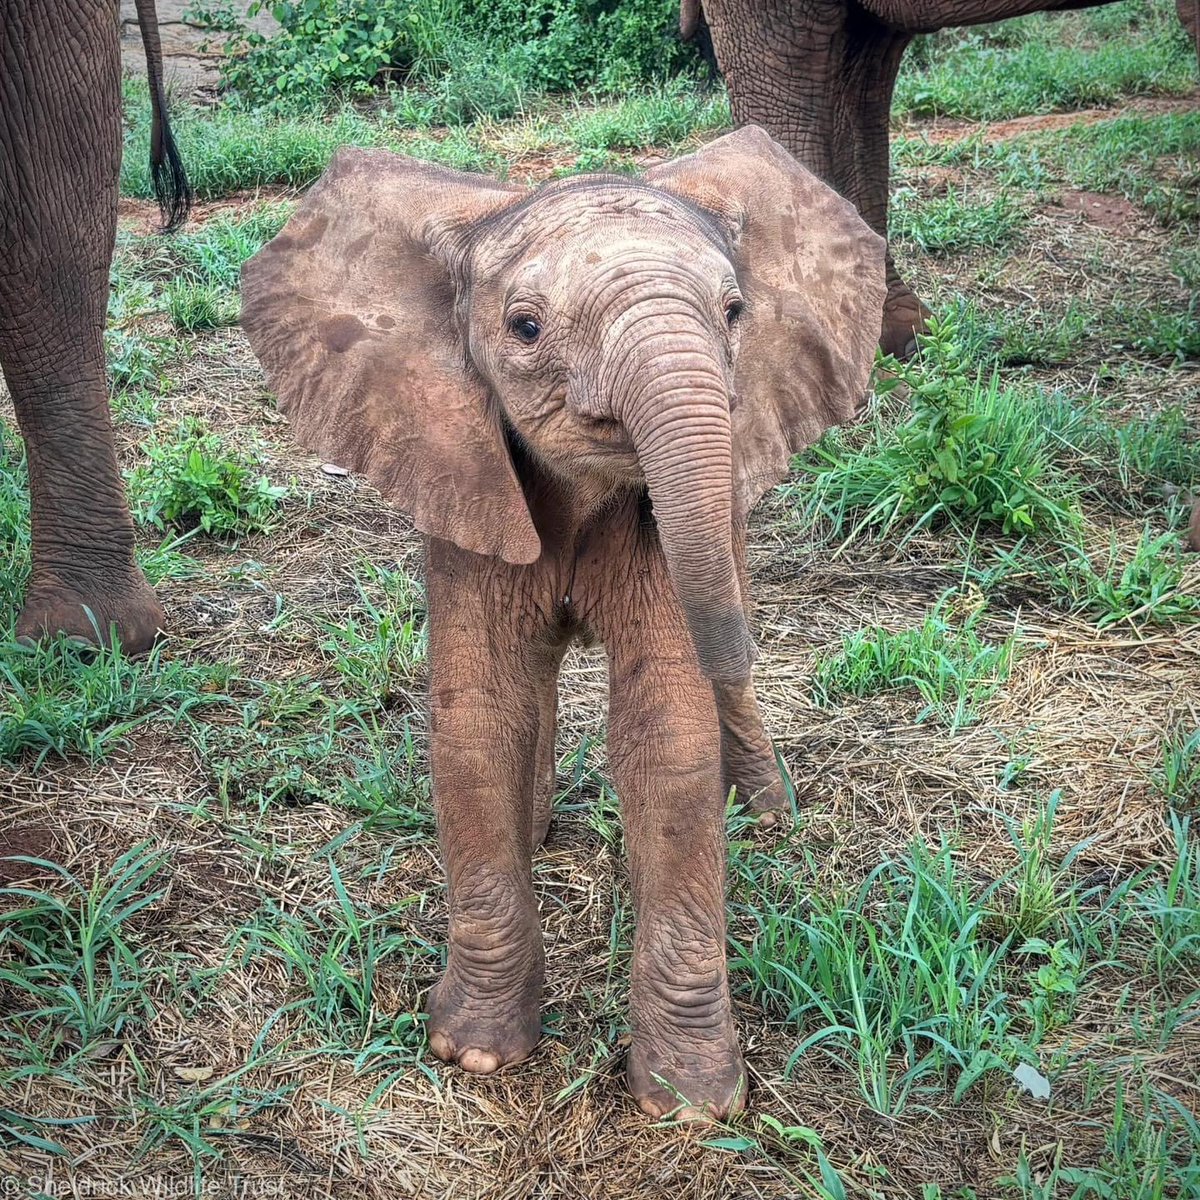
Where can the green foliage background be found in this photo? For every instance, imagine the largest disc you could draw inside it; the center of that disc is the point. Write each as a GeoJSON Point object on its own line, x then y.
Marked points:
{"type": "Point", "coordinates": [496, 51]}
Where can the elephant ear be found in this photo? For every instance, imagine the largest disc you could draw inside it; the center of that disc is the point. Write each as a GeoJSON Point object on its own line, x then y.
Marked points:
{"type": "Point", "coordinates": [351, 311]}
{"type": "Point", "coordinates": [812, 276]}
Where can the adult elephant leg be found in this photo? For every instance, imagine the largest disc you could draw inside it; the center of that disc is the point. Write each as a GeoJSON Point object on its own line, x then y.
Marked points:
{"type": "Point", "coordinates": [484, 1011]}
{"type": "Point", "coordinates": [665, 750]}
{"type": "Point", "coordinates": [60, 143]}
{"type": "Point", "coordinates": [819, 78]}
{"type": "Point", "coordinates": [870, 56]}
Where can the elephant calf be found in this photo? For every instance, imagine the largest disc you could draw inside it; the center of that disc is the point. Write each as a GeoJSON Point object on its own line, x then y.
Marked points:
{"type": "Point", "coordinates": [579, 392]}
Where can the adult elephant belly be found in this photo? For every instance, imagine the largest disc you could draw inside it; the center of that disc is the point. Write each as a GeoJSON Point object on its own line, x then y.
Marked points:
{"type": "Point", "coordinates": [819, 75]}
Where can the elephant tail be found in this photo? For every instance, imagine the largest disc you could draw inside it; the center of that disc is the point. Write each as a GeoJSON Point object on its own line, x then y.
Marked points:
{"type": "Point", "coordinates": [171, 187]}
{"type": "Point", "coordinates": [690, 17]}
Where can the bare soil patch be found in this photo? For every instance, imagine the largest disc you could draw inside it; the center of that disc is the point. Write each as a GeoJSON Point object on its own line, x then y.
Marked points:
{"type": "Point", "coordinates": [1113, 213]}
{"type": "Point", "coordinates": [956, 129]}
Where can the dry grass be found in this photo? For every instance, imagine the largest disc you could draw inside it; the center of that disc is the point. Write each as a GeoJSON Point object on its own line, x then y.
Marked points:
{"type": "Point", "coordinates": [289, 1114]}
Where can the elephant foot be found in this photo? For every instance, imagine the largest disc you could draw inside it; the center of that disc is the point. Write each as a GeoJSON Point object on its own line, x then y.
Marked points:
{"type": "Point", "coordinates": [683, 1056]}
{"type": "Point", "coordinates": [904, 316]}
{"type": "Point", "coordinates": [679, 1074]}
{"type": "Point", "coordinates": [53, 607]}
{"type": "Point", "coordinates": [761, 790]}
{"type": "Point", "coordinates": [483, 1029]}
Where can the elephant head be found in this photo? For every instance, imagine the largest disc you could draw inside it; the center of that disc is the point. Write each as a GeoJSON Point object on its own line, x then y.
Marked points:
{"type": "Point", "coordinates": [684, 332]}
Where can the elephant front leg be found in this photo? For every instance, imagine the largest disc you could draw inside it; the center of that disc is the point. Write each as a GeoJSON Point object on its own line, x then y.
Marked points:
{"type": "Point", "coordinates": [484, 1012]}
{"type": "Point", "coordinates": [665, 749]}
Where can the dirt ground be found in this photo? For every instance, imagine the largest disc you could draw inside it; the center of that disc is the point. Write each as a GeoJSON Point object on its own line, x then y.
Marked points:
{"type": "Point", "coordinates": [1084, 710]}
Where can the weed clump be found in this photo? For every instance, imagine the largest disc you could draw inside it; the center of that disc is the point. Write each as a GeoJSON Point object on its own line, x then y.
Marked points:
{"type": "Point", "coordinates": [971, 452]}
{"type": "Point", "coordinates": [195, 481]}
{"type": "Point", "coordinates": [945, 659]}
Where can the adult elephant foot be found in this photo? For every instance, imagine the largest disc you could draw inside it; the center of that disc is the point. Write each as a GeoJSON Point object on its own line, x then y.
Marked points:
{"type": "Point", "coordinates": [483, 1028]}
{"type": "Point", "coordinates": [904, 316]}
{"type": "Point", "coordinates": [687, 1072]}
{"type": "Point", "coordinates": [122, 602]}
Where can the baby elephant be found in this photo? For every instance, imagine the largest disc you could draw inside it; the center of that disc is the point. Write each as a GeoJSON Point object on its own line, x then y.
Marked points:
{"type": "Point", "coordinates": [579, 392]}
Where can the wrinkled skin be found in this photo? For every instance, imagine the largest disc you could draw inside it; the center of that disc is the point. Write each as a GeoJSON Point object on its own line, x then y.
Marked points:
{"type": "Point", "coordinates": [579, 393]}
{"type": "Point", "coordinates": [818, 75]}
{"type": "Point", "coordinates": [60, 151]}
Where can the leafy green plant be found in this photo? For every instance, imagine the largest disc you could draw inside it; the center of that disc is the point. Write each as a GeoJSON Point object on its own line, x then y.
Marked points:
{"type": "Point", "coordinates": [1053, 986]}
{"type": "Point", "coordinates": [1149, 584]}
{"type": "Point", "coordinates": [481, 52]}
{"type": "Point", "coordinates": [195, 481]}
{"type": "Point", "coordinates": [135, 360]}
{"type": "Point", "coordinates": [971, 452]}
{"type": "Point", "coordinates": [945, 660]}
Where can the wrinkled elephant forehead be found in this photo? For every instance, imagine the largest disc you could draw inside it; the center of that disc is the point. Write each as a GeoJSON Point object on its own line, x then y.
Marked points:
{"type": "Point", "coordinates": [563, 217]}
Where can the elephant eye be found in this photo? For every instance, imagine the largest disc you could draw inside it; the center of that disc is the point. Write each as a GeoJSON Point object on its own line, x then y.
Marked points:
{"type": "Point", "coordinates": [526, 328]}
{"type": "Point", "coordinates": [733, 310]}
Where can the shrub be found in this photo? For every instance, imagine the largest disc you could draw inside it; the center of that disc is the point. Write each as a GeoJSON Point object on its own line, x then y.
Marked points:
{"type": "Point", "coordinates": [488, 55]}
{"type": "Point", "coordinates": [195, 481]}
{"type": "Point", "coordinates": [970, 452]}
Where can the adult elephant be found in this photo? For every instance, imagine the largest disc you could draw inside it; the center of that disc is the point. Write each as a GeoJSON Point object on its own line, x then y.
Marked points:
{"type": "Point", "coordinates": [60, 155]}
{"type": "Point", "coordinates": [819, 76]}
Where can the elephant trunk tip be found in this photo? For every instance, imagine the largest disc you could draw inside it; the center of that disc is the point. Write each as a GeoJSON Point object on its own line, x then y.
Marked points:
{"type": "Point", "coordinates": [723, 645]}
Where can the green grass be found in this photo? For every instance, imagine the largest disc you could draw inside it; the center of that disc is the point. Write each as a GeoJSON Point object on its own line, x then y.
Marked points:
{"type": "Point", "coordinates": [1141, 453]}
{"type": "Point", "coordinates": [56, 699]}
{"type": "Point", "coordinates": [1150, 160]}
{"type": "Point", "coordinates": [229, 151]}
{"type": "Point", "coordinates": [1149, 584]}
{"type": "Point", "coordinates": [1178, 779]}
{"type": "Point", "coordinates": [1043, 63]}
{"type": "Point", "coordinates": [954, 223]}
{"type": "Point", "coordinates": [921, 981]}
{"type": "Point", "coordinates": [337, 958]}
{"type": "Point", "coordinates": [193, 480]}
{"type": "Point", "coordinates": [72, 965]}
{"type": "Point", "coordinates": [14, 527]}
{"type": "Point", "coordinates": [379, 647]}
{"type": "Point", "coordinates": [945, 660]}
{"type": "Point", "coordinates": [195, 307]}
{"type": "Point", "coordinates": [971, 452]}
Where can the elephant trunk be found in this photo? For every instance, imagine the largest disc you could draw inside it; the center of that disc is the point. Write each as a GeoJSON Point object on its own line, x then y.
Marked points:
{"type": "Point", "coordinates": [680, 427]}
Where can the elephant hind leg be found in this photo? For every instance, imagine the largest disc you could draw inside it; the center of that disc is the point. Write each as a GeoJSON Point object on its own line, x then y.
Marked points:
{"type": "Point", "coordinates": [545, 762]}
{"type": "Point", "coordinates": [748, 761]}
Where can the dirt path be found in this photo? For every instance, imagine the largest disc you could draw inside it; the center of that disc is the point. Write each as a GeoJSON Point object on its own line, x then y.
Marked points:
{"type": "Point", "coordinates": [955, 129]}
{"type": "Point", "coordinates": [189, 69]}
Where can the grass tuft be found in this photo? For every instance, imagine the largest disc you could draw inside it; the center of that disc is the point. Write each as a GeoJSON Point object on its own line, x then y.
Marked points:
{"type": "Point", "coordinates": [945, 659]}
